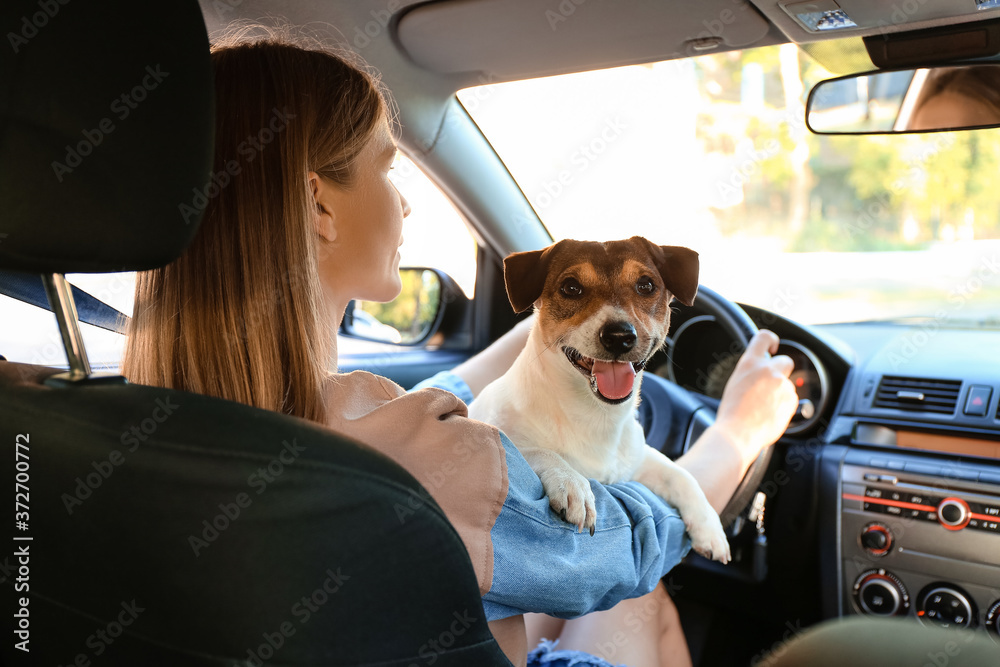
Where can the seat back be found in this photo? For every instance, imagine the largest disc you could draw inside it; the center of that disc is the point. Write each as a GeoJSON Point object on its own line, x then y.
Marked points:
{"type": "Point", "coordinates": [171, 528]}
{"type": "Point", "coordinates": [162, 527]}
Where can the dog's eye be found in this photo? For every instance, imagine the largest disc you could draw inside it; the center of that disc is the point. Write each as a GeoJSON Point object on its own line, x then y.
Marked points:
{"type": "Point", "coordinates": [645, 285]}
{"type": "Point", "coordinates": [571, 288]}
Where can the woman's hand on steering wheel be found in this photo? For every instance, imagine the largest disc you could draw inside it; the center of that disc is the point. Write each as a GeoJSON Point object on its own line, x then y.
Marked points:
{"type": "Point", "coordinates": [759, 400]}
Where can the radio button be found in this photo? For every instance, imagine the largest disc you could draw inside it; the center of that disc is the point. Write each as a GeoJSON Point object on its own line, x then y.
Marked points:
{"type": "Point", "coordinates": [953, 513]}
{"type": "Point", "coordinates": [876, 539]}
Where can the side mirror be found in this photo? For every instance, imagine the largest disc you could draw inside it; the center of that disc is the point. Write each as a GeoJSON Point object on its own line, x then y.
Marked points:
{"type": "Point", "coordinates": [927, 99]}
{"type": "Point", "coordinates": [409, 319]}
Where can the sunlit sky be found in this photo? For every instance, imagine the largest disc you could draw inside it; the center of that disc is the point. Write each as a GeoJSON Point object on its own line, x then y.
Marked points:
{"type": "Point", "coordinates": [608, 154]}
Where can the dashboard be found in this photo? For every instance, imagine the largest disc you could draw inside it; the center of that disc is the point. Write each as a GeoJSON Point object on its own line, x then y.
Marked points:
{"type": "Point", "coordinates": [893, 462]}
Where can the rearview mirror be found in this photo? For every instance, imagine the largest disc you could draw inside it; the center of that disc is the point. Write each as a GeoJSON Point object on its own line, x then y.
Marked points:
{"type": "Point", "coordinates": [409, 319]}
{"type": "Point", "coordinates": [928, 99]}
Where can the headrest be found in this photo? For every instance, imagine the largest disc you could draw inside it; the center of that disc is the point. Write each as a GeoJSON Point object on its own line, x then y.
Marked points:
{"type": "Point", "coordinates": [106, 127]}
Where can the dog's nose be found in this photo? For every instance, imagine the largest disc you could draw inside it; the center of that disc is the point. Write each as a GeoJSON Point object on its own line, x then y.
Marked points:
{"type": "Point", "coordinates": [617, 337]}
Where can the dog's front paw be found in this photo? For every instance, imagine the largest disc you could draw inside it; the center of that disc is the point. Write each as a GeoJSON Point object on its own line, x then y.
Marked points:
{"type": "Point", "coordinates": [570, 497]}
{"type": "Point", "coordinates": [707, 536]}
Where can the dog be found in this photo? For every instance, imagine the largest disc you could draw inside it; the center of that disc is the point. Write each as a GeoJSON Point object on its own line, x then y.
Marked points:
{"type": "Point", "coordinates": [568, 401]}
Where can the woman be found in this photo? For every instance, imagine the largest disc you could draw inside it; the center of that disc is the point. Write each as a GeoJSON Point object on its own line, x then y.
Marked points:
{"type": "Point", "coordinates": [308, 221]}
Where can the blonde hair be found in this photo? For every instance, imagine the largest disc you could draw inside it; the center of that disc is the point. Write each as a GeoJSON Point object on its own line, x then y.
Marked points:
{"type": "Point", "coordinates": [240, 314]}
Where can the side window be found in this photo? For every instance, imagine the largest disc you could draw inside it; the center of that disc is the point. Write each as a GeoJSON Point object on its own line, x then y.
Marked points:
{"type": "Point", "coordinates": [31, 335]}
{"type": "Point", "coordinates": [435, 236]}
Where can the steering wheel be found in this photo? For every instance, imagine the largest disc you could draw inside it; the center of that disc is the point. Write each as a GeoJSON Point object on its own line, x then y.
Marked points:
{"type": "Point", "coordinates": [738, 325]}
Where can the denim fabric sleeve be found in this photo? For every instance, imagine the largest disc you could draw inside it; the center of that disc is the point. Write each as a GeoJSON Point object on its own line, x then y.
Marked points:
{"type": "Point", "coordinates": [449, 382]}
{"type": "Point", "coordinates": [541, 564]}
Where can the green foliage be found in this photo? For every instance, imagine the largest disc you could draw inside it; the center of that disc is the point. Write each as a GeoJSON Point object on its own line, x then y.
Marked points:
{"type": "Point", "coordinates": [414, 310]}
{"type": "Point", "coordinates": [865, 192]}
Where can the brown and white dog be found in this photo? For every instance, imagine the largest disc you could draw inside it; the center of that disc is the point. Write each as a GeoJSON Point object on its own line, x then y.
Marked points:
{"type": "Point", "coordinates": [568, 401]}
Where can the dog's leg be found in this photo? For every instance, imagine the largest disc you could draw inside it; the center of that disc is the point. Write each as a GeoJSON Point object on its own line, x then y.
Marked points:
{"type": "Point", "coordinates": [569, 492]}
{"type": "Point", "coordinates": [679, 488]}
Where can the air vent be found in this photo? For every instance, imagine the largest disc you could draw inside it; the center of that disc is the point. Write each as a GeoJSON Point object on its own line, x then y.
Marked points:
{"type": "Point", "coordinates": [917, 394]}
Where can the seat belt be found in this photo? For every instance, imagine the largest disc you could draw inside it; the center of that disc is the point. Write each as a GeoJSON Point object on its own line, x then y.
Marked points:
{"type": "Point", "coordinates": [29, 288]}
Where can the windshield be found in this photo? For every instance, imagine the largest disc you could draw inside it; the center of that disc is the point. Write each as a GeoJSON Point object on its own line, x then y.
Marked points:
{"type": "Point", "coordinates": [713, 153]}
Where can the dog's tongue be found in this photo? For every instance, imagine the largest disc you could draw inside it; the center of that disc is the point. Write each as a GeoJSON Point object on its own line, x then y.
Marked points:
{"type": "Point", "coordinates": [614, 380]}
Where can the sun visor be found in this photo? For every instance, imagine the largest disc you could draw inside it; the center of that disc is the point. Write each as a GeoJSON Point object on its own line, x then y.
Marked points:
{"type": "Point", "coordinates": [518, 39]}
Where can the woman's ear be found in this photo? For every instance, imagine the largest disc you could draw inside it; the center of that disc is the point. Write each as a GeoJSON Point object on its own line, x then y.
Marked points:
{"type": "Point", "coordinates": [323, 215]}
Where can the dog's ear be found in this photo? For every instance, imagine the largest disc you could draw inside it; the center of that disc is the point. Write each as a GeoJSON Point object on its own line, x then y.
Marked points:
{"type": "Point", "coordinates": [524, 275]}
{"type": "Point", "coordinates": [679, 269]}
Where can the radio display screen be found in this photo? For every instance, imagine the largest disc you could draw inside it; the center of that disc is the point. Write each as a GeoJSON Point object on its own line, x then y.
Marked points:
{"type": "Point", "coordinates": [948, 444]}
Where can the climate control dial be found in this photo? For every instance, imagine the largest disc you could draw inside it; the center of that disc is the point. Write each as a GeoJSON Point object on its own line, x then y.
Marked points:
{"type": "Point", "coordinates": [945, 605]}
{"type": "Point", "coordinates": [881, 593]}
{"type": "Point", "coordinates": [993, 618]}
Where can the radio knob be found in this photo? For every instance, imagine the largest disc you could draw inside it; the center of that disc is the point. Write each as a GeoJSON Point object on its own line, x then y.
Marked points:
{"type": "Point", "coordinates": [953, 513]}
{"type": "Point", "coordinates": [945, 606]}
{"type": "Point", "coordinates": [880, 593]}
{"type": "Point", "coordinates": [876, 539]}
{"type": "Point", "coordinates": [993, 618]}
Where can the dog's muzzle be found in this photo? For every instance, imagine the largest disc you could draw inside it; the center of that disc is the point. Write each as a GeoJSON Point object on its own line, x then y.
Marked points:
{"type": "Point", "coordinates": [611, 381]}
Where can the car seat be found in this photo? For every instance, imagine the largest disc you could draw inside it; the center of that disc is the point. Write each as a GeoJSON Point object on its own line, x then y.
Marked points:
{"type": "Point", "coordinates": [160, 527]}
